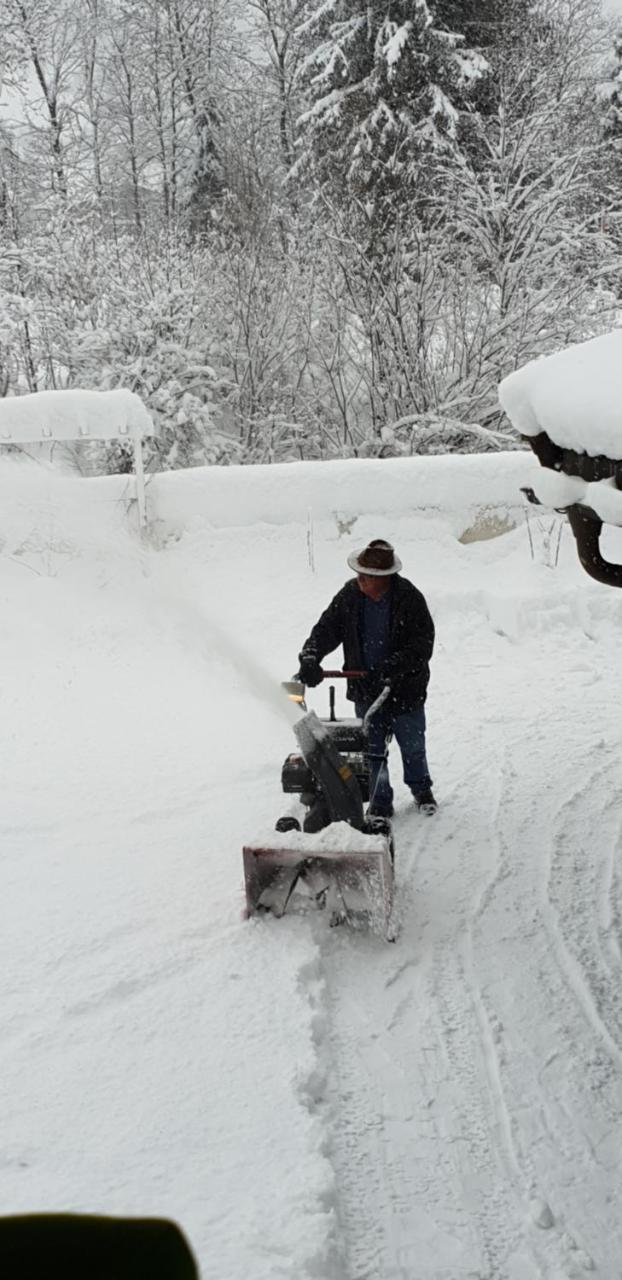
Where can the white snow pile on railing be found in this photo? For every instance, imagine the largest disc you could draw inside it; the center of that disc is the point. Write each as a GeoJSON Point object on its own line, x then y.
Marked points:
{"type": "Point", "coordinates": [45, 417]}
{"type": "Point", "coordinates": [451, 493]}
{"type": "Point", "coordinates": [554, 489]}
{"type": "Point", "coordinates": [575, 396]}
{"type": "Point", "coordinates": [73, 415]}
{"type": "Point", "coordinates": [454, 488]}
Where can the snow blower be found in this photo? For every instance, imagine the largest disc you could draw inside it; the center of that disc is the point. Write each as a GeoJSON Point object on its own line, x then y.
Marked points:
{"type": "Point", "coordinates": [330, 855]}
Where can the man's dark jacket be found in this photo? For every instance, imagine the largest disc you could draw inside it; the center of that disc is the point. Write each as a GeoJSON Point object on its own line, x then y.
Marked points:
{"type": "Point", "coordinates": [411, 641]}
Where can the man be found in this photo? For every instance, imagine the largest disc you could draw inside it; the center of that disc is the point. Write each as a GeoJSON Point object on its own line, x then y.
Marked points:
{"type": "Point", "coordinates": [385, 627]}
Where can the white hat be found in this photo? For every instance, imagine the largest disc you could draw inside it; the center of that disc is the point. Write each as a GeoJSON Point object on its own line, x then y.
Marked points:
{"type": "Point", "coordinates": [377, 559]}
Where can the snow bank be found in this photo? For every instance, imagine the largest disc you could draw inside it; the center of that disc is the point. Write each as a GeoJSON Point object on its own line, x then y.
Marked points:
{"type": "Point", "coordinates": [72, 415]}
{"type": "Point", "coordinates": [43, 509]}
{"type": "Point", "coordinates": [459, 490]}
{"type": "Point", "coordinates": [286, 493]}
{"type": "Point", "coordinates": [574, 395]}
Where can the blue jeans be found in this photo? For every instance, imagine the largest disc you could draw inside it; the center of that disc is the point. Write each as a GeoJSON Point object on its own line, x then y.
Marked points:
{"type": "Point", "coordinates": [409, 732]}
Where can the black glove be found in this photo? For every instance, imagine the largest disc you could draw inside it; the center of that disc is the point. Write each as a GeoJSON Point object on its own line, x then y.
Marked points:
{"type": "Point", "coordinates": [383, 674]}
{"type": "Point", "coordinates": [388, 672]}
{"type": "Point", "coordinates": [310, 670]}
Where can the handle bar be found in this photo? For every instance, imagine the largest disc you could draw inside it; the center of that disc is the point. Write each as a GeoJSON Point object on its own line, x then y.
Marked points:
{"type": "Point", "coordinates": [344, 675]}
{"type": "Point", "coordinates": [357, 675]}
{"type": "Point", "coordinates": [375, 706]}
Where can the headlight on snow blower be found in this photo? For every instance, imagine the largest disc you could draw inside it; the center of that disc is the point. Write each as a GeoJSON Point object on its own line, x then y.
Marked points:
{"type": "Point", "coordinates": [295, 690]}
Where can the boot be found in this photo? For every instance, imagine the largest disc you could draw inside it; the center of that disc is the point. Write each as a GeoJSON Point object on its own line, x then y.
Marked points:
{"type": "Point", "coordinates": [425, 802]}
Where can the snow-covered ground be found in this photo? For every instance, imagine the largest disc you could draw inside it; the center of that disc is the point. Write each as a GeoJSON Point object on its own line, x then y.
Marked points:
{"type": "Point", "coordinates": [307, 1102]}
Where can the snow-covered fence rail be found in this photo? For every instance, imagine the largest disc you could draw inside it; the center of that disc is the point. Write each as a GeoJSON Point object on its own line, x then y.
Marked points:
{"type": "Point", "coordinates": [48, 416]}
{"type": "Point", "coordinates": [463, 488]}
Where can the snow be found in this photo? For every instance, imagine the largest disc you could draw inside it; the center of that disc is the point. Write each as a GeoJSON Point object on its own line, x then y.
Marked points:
{"type": "Point", "coordinates": [472, 65]}
{"type": "Point", "coordinates": [574, 395]}
{"type": "Point", "coordinates": [308, 1102]}
{"type": "Point", "coordinates": [555, 489]}
{"type": "Point", "coordinates": [443, 107]}
{"type": "Point", "coordinates": [392, 40]}
{"type": "Point", "coordinates": [288, 493]}
{"type": "Point", "coordinates": [71, 414]}
{"type": "Point", "coordinates": [338, 837]}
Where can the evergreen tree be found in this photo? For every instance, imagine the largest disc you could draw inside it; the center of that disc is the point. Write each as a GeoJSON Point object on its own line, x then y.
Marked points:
{"type": "Point", "coordinates": [486, 24]}
{"type": "Point", "coordinates": [510, 35]}
{"type": "Point", "coordinates": [613, 118]}
{"type": "Point", "coordinates": [386, 87]}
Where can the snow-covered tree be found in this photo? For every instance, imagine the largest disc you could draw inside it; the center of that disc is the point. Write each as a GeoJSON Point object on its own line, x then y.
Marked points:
{"type": "Point", "coordinates": [386, 86]}
{"type": "Point", "coordinates": [451, 208]}
{"type": "Point", "coordinates": [39, 39]}
{"type": "Point", "coordinates": [278, 34]}
{"type": "Point", "coordinates": [487, 24]}
{"type": "Point", "coordinates": [613, 116]}
{"type": "Point", "coordinates": [524, 215]}
{"type": "Point", "coordinates": [165, 75]}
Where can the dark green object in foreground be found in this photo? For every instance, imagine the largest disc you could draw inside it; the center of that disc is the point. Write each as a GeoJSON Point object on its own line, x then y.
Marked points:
{"type": "Point", "coordinates": [67, 1246]}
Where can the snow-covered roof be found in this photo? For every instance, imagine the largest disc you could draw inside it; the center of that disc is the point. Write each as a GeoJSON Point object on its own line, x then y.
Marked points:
{"type": "Point", "coordinates": [574, 395]}
{"type": "Point", "coordinates": [74, 415]}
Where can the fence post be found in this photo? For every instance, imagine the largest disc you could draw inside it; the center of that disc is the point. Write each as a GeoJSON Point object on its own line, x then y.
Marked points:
{"type": "Point", "coordinates": [139, 471]}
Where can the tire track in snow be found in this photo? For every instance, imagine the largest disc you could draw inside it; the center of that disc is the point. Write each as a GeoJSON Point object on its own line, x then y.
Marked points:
{"type": "Point", "coordinates": [395, 1169]}
{"type": "Point", "coordinates": [550, 1245]}
{"type": "Point", "coordinates": [582, 917]}
{"type": "Point", "coordinates": [475, 1048]}
{"type": "Point", "coordinates": [421, 1104]}
{"type": "Point", "coordinates": [454, 1127]}
{"type": "Point", "coordinates": [473, 1133]}
{"type": "Point", "coordinates": [610, 914]}
{"type": "Point", "coordinates": [550, 1048]}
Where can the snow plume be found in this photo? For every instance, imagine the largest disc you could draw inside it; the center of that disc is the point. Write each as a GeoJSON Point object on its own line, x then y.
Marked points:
{"type": "Point", "coordinates": [216, 642]}
{"type": "Point", "coordinates": [48, 518]}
